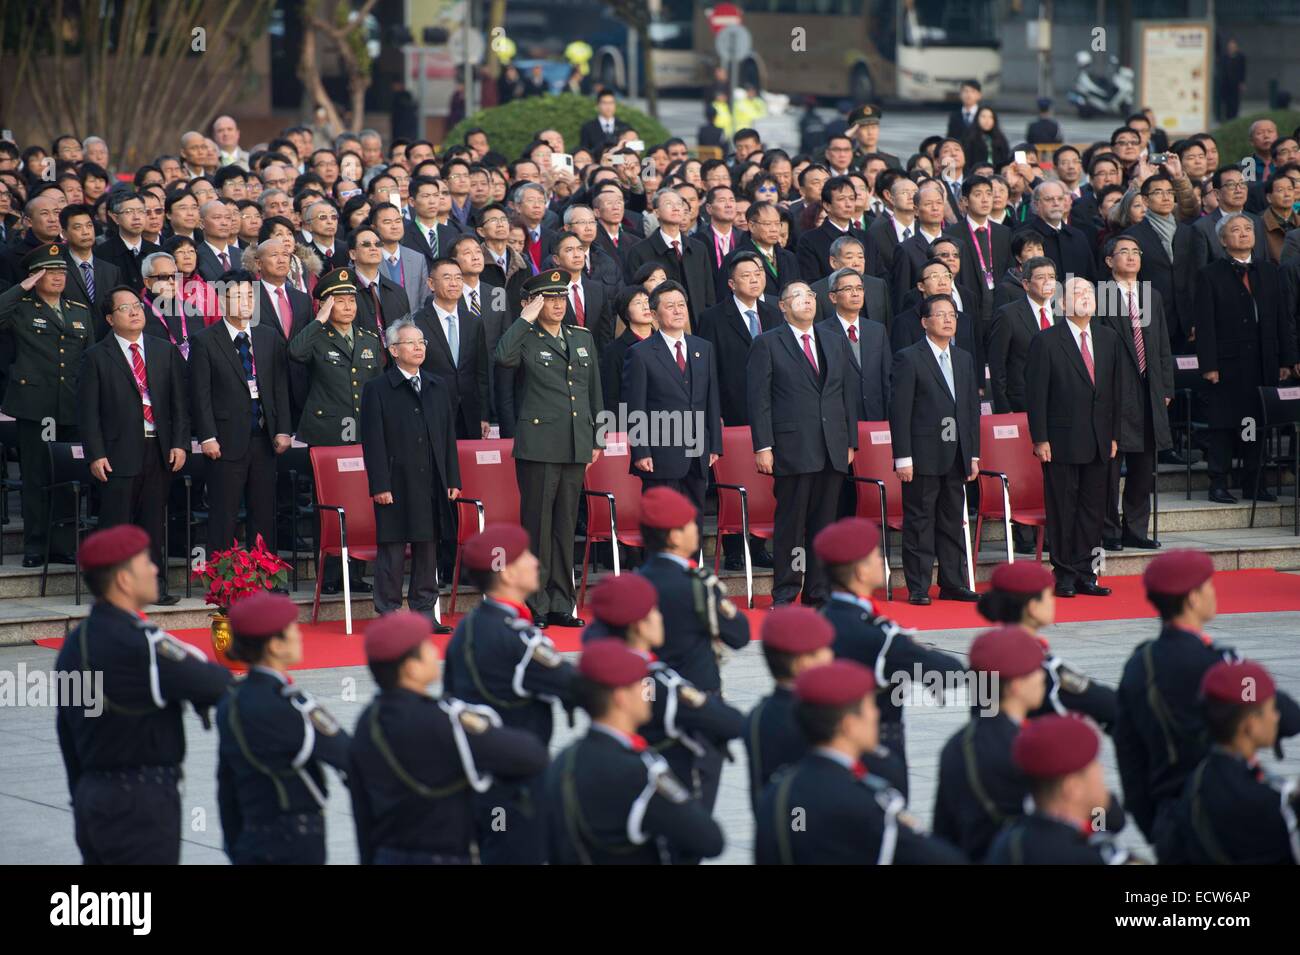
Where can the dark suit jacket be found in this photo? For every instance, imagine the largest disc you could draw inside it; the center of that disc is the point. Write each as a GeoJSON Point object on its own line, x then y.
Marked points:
{"type": "Point", "coordinates": [727, 331]}
{"type": "Point", "coordinates": [339, 259]}
{"type": "Point", "coordinates": [114, 250]}
{"type": "Point", "coordinates": [107, 276]}
{"type": "Point", "coordinates": [1014, 327]}
{"type": "Point", "coordinates": [598, 310]}
{"type": "Point", "coordinates": [110, 411]}
{"type": "Point", "coordinates": [414, 238]}
{"type": "Point", "coordinates": [467, 380]}
{"type": "Point", "coordinates": [495, 318]}
{"type": "Point", "coordinates": [787, 270]}
{"type": "Point", "coordinates": [1206, 244]}
{"type": "Point", "coordinates": [814, 251]}
{"type": "Point", "coordinates": [303, 315]}
{"type": "Point", "coordinates": [873, 372]}
{"type": "Point", "coordinates": [1000, 244]}
{"type": "Point", "coordinates": [921, 406]}
{"type": "Point", "coordinates": [1176, 280]}
{"type": "Point", "coordinates": [627, 241]}
{"type": "Point", "coordinates": [693, 271]}
{"type": "Point", "coordinates": [1078, 418]}
{"type": "Point", "coordinates": [652, 383]}
{"type": "Point", "coordinates": [591, 137]}
{"type": "Point", "coordinates": [884, 237]}
{"type": "Point", "coordinates": [393, 303]}
{"type": "Point", "coordinates": [958, 128]}
{"type": "Point", "coordinates": [210, 266]}
{"type": "Point", "coordinates": [611, 368]}
{"type": "Point", "coordinates": [909, 260]}
{"type": "Point", "coordinates": [875, 300]}
{"type": "Point", "coordinates": [1069, 249]}
{"type": "Point", "coordinates": [1137, 389]}
{"type": "Point", "coordinates": [220, 405]}
{"type": "Point", "coordinates": [907, 330]}
{"type": "Point", "coordinates": [166, 323]}
{"type": "Point", "coordinates": [805, 417]}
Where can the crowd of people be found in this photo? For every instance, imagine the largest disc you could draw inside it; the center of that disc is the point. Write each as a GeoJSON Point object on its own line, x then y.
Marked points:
{"type": "Point", "coordinates": [401, 298]}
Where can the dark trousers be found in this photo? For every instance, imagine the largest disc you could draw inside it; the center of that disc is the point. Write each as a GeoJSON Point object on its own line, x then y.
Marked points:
{"type": "Point", "coordinates": [128, 817]}
{"type": "Point", "coordinates": [1139, 480]}
{"type": "Point", "coordinates": [693, 486]}
{"type": "Point", "coordinates": [932, 527]}
{"type": "Point", "coordinates": [805, 503]}
{"type": "Point", "coordinates": [251, 477]}
{"type": "Point", "coordinates": [548, 510]}
{"type": "Point", "coordinates": [701, 774]}
{"type": "Point", "coordinates": [289, 839]}
{"type": "Point", "coordinates": [34, 464]}
{"type": "Point", "coordinates": [1075, 496]}
{"type": "Point", "coordinates": [390, 562]}
{"type": "Point", "coordinates": [140, 500]}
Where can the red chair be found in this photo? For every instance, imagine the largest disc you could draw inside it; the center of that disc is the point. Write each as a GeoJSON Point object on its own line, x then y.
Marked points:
{"type": "Point", "coordinates": [489, 492]}
{"type": "Point", "coordinates": [746, 499]}
{"type": "Point", "coordinates": [613, 504]}
{"type": "Point", "coordinates": [342, 487]}
{"type": "Point", "coordinates": [880, 493]}
{"type": "Point", "coordinates": [1011, 478]}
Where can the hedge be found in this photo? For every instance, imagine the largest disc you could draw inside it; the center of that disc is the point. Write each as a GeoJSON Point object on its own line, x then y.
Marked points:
{"type": "Point", "coordinates": [510, 128]}
{"type": "Point", "coordinates": [1233, 138]}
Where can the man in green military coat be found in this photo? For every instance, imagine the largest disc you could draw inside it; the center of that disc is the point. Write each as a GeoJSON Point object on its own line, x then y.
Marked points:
{"type": "Point", "coordinates": [557, 399]}
{"type": "Point", "coordinates": [340, 357]}
{"type": "Point", "coordinates": [51, 329]}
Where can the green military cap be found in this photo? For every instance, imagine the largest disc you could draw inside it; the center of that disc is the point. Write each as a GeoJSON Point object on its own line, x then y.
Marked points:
{"type": "Point", "coordinates": [45, 256]}
{"type": "Point", "coordinates": [336, 282]}
{"type": "Point", "coordinates": [547, 282]}
{"type": "Point", "coordinates": [865, 114]}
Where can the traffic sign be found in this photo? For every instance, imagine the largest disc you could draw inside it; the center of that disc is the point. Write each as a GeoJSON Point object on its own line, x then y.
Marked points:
{"type": "Point", "coordinates": [723, 15]}
{"type": "Point", "coordinates": [734, 43]}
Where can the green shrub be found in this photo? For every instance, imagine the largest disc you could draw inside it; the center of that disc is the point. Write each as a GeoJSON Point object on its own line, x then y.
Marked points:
{"type": "Point", "coordinates": [510, 127]}
{"type": "Point", "coordinates": [1234, 140]}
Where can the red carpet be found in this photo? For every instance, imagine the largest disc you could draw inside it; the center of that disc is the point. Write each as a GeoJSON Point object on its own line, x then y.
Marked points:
{"type": "Point", "coordinates": [1239, 591]}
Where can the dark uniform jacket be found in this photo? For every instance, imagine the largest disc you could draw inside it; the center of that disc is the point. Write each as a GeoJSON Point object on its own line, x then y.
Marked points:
{"type": "Point", "coordinates": [1070, 691]}
{"type": "Point", "coordinates": [43, 378]}
{"type": "Point", "coordinates": [1037, 839]}
{"type": "Point", "coordinates": [335, 376]}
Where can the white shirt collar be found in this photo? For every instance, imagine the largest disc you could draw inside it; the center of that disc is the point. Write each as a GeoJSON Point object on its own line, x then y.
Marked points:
{"type": "Point", "coordinates": [798, 335]}
{"type": "Point", "coordinates": [126, 345]}
{"type": "Point", "coordinates": [271, 288]}
{"type": "Point", "coordinates": [846, 325]}
{"type": "Point", "coordinates": [217, 251]}
{"type": "Point", "coordinates": [669, 242]}
{"type": "Point", "coordinates": [444, 316]}
{"type": "Point", "coordinates": [232, 331]}
{"type": "Point", "coordinates": [672, 342]}
{"type": "Point", "coordinates": [404, 374]}
{"type": "Point", "coordinates": [1075, 331]}
{"type": "Point", "coordinates": [899, 226]}
{"type": "Point", "coordinates": [936, 349]}
{"type": "Point", "coordinates": [742, 308]}
{"type": "Point", "coordinates": [88, 260]}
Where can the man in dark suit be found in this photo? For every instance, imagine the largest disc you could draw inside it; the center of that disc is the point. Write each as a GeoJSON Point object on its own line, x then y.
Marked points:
{"type": "Point", "coordinates": [1173, 276]}
{"type": "Point", "coordinates": [409, 444]}
{"type": "Point", "coordinates": [962, 120]}
{"type": "Point", "coordinates": [1135, 312]}
{"type": "Point", "coordinates": [423, 232]}
{"type": "Point", "coordinates": [1245, 339]}
{"type": "Point", "coordinates": [934, 421]}
{"type": "Point", "coordinates": [839, 198]}
{"type": "Point", "coordinates": [671, 376]}
{"type": "Point", "coordinates": [282, 307]}
{"type": "Point", "coordinates": [380, 300]}
{"type": "Point", "coordinates": [128, 247]}
{"type": "Point", "coordinates": [240, 409]}
{"type": "Point", "coordinates": [868, 343]}
{"type": "Point", "coordinates": [937, 279]}
{"type": "Point", "coordinates": [1014, 327]}
{"type": "Point", "coordinates": [848, 253]}
{"type": "Point", "coordinates": [985, 249]}
{"type": "Point", "coordinates": [914, 251]}
{"type": "Point", "coordinates": [684, 260]}
{"type": "Point", "coordinates": [218, 253]}
{"type": "Point", "coordinates": [320, 219]}
{"type": "Point", "coordinates": [1230, 190]}
{"type": "Point", "coordinates": [613, 235]}
{"type": "Point", "coordinates": [131, 411]}
{"type": "Point", "coordinates": [1073, 390]}
{"type": "Point", "coordinates": [456, 349]}
{"type": "Point", "coordinates": [605, 128]}
{"type": "Point", "coordinates": [589, 305]}
{"type": "Point", "coordinates": [897, 223]}
{"type": "Point", "coordinates": [804, 423]}
{"type": "Point", "coordinates": [167, 316]}
{"type": "Point", "coordinates": [1064, 244]}
{"type": "Point", "coordinates": [780, 265]}
{"type": "Point", "coordinates": [719, 235]}
{"type": "Point", "coordinates": [484, 302]}
{"type": "Point", "coordinates": [90, 276]}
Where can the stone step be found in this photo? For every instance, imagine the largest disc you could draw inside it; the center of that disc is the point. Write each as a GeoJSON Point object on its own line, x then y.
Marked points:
{"type": "Point", "coordinates": [24, 583]}
{"type": "Point", "coordinates": [1199, 514]}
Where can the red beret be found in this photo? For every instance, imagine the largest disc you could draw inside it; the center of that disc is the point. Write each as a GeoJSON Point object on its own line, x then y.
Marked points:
{"type": "Point", "coordinates": [1009, 651]}
{"type": "Point", "coordinates": [1054, 745]}
{"type": "Point", "coordinates": [1023, 577]}
{"type": "Point", "coordinates": [666, 509]}
{"type": "Point", "coordinates": [262, 616]}
{"type": "Point", "coordinates": [394, 634]}
{"type": "Point", "coordinates": [495, 547]}
{"type": "Point", "coordinates": [1178, 572]}
{"type": "Point", "coordinates": [622, 600]}
{"type": "Point", "coordinates": [846, 541]}
{"type": "Point", "coordinates": [794, 629]}
{"type": "Point", "coordinates": [1242, 683]}
{"type": "Point", "coordinates": [840, 683]}
{"type": "Point", "coordinates": [115, 545]}
{"type": "Point", "coordinates": [612, 663]}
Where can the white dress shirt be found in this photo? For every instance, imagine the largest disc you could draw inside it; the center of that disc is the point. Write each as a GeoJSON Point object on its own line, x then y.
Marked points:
{"type": "Point", "coordinates": [125, 345]}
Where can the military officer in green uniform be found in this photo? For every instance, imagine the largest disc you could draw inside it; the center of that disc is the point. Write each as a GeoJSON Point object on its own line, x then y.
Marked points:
{"type": "Point", "coordinates": [340, 357]}
{"type": "Point", "coordinates": [51, 330]}
{"type": "Point", "coordinates": [557, 399]}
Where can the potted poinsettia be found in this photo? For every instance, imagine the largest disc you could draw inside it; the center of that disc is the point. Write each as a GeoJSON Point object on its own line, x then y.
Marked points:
{"type": "Point", "coordinates": [230, 576]}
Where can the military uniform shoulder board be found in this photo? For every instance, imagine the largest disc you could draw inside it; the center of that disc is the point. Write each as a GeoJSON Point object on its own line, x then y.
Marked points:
{"type": "Point", "coordinates": [76, 303]}
{"type": "Point", "coordinates": [546, 656]}
{"type": "Point", "coordinates": [667, 785]}
{"type": "Point", "coordinates": [692, 697]}
{"type": "Point", "coordinates": [1072, 681]}
{"type": "Point", "coordinates": [474, 723]}
{"type": "Point", "coordinates": [324, 722]}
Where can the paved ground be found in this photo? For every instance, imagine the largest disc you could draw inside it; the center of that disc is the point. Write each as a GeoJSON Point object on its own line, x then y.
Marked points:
{"type": "Point", "coordinates": [37, 823]}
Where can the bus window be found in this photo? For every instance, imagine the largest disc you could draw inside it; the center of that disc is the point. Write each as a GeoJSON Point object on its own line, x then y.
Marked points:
{"type": "Point", "coordinates": [672, 24]}
{"type": "Point", "coordinates": [949, 23]}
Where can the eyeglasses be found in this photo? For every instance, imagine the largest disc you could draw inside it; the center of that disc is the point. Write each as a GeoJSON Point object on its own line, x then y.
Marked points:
{"type": "Point", "coordinates": [325, 218]}
{"type": "Point", "coordinates": [495, 220]}
{"type": "Point", "coordinates": [457, 177]}
{"type": "Point", "coordinates": [1127, 142]}
{"type": "Point", "coordinates": [847, 288]}
{"type": "Point", "coordinates": [128, 307]}
{"type": "Point", "coordinates": [413, 341]}
{"type": "Point", "coordinates": [1233, 184]}
{"type": "Point", "coordinates": [367, 245]}
{"type": "Point", "coordinates": [164, 276]}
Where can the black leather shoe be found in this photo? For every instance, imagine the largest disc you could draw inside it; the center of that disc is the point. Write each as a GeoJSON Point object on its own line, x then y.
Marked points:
{"type": "Point", "coordinates": [958, 593]}
{"type": "Point", "coordinates": [921, 600]}
{"type": "Point", "coordinates": [1265, 496]}
{"type": "Point", "coordinates": [167, 600]}
{"type": "Point", "coordinates": [361, 587]}
{"type": "Point", "coordinates": [66, 559]}
{"type": "Point", "coordinates": [1112, 543]}
{"type": "Point", "coordinates": [735, 564]}
{"type": "Point", "coordinates": [1145, 543]}
{"type": "Point", "coordinates": [441, 628]}
{"type": "Point", "coordinates": [1025, 548]}
{"type": "Point", "coordinates": [331, 590]}
{"type": "Point", "coordinates": [540, 624]}
{"type": "Point", "coordinates": [1091, 589]}
{"type": "Point", "coordinates": [1220, 496]}
{"type": "Point", "coordinates": [33, 561]}
{"type": "Point", "coordinates": [564, 620]}
{"type": "Point", "coordinates": [1064, 590]}
{"type": "Point", "coordinates": [759, 558]}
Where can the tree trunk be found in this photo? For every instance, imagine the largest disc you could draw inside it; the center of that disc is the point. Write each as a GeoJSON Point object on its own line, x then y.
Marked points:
{"type": "Point", "coordinates": [648, 74]}
{"type": "Point", "coordinates": [309, 74]}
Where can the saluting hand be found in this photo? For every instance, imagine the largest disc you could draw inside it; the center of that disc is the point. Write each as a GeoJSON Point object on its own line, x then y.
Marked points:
{"type": "Point", "coordinates": [326, 307]}
{"type": "Point", "coordinates": [532, 308]}
{"type": "Point", "coordinates": [30, 282]}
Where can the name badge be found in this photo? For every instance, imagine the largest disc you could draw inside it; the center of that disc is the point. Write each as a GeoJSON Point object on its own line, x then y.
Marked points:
{"type": "Point", "coordinates": [582, 353]}
{"type": "Point", "coordinates": [880, 437]}
{"type": "Point", "coordinates": [252, 389]}
{"type": "Point", "coordinates": [1003, 431]}
{"type": "Point", "coordinates": [39, 322]}
{"type": "Point", "coordinates": [333, 356]}
{"type": "Point", "coordinates": [546, 356]}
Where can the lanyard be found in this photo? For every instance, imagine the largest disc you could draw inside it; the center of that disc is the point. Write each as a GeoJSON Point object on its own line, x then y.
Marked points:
{"type": "Point", "coordinates": [717, 246]}
{"type": "Point", "coordinates": [986, 269]}
{"type": "Point", "coordinates": [180, 306]}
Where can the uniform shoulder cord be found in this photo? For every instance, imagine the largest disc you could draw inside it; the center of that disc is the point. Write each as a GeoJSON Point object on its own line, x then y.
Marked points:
{"type": "Point", "coordinates": [237, 730]}
{"type": "Point", "coordinates": [410, 782]}
{"type": "Point", "coordinates": [86, 670]}
{"type": "Point", "coordinates": [1201, 823]}
{"type": "Point", "coordinates": [782, 817]}
{"type": "Point", "coordinates": [477, 678]}
{"type": "Point", "coordinates": [973, 775]}
{"type": "Point", "coordinates": [580, 833]}
{"type": "Point", "coordinates": [1157, 703]}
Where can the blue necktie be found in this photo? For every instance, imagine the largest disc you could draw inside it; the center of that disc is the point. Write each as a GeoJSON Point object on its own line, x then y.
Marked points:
{"type": "Point", "coordinates": [88, 274]}
{"type": "Point", "coordinates": [754, 328]}
{"type": "Point", "coordinates": [246, 356]}
{"type": "Point", "coordinates": [946, 367]}
{"type": "Point", "coordinates": [453, 339]}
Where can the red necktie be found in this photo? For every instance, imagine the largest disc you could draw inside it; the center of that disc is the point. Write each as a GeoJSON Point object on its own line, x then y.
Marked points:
{"type": "Point", "coordinates": [638, 743]}
{"type": "Point", "coordinates": [1044, 323]}
{"type": "Point", "coordinates": [1087, 357]}
{"type": "Point", "coordinates": [859, 770]}
{"type": "Point", "coordinates": [579, 312]}
{"type": "Point", "coordinates": [807, 350]}
{"type": "Point", "coordinates": [535, 252]}
{"type": "Point", "coordinates": [853, 333]}
{"type": "Point", "coordinates": [286, 313]}
{"type": "Point", "coordinates": [681, 359]}
{"type": "Point", "coordinates": [677, 247]}
{"type": "Point", "coordinates": [1137, 332]}
{"type": "Point", "coordinates": [141, 383]}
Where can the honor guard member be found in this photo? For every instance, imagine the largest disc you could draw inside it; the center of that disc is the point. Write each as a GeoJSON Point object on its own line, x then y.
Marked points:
{"type": "Point", "coordinates": [794, 639]}
{"type": "Point", "coordinates": [1233, 812]}
{"type": "Point", "coordinates": [1058, 755]}
{"type": "Point", "coordinates": [417, 761]}
{"type": "Point", "coordinates": [50, 329]}
{"type": "Point", "coordinates": [828, 808]}
{"type": "Point", "coordinates": [849, 549]}
{"type": "Point", "coordinates": [340, 356]}
{"type": "Point", "coordinates": [498, 658]}
{"type": "Point", "coordinates": [275, 737]}
{"type": "Point", "coordinates": [689, 728]}
{"type": "Point", "coordinates": [557, 398]}
{"type": "Point", "coordinates": [610, 798]}
{"type": "Point", "coordinates": [981, 788]}
{"type": "Point", "coordinates": [124, 747]}
{"type": "Point", "coordinates": [1160, 732]}
{"type": "Point", "coordinates": [1024, 593]}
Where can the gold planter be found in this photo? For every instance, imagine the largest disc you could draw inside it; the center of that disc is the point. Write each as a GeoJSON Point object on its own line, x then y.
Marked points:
{"type": "Point", "coordinates": [221, 640]}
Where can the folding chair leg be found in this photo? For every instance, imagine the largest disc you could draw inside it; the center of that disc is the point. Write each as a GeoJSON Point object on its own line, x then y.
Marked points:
{"type": "Point", "coordinates": [1155, 499]}
{"type": "Point", "coordinates": [749, 577]}
{"type": "Point", "coordinates": [320, 578]}
{"type": "Point", "coordinates": [455, 573]}
{"type": "Point", "coordinates": [965, 535]}
{"type": "Point", "coordinates": [717, 553]}
{"type": "Point", "coordinates": [49, 520]}
{"type": "Point", "coordinates": [889, 574]}
{"type": "Point", "coordinates": [586, 556]}
{"type": "Point", "coordinates": [347, 594]}
{"type": "Point", "coordinates": [189, 546]}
